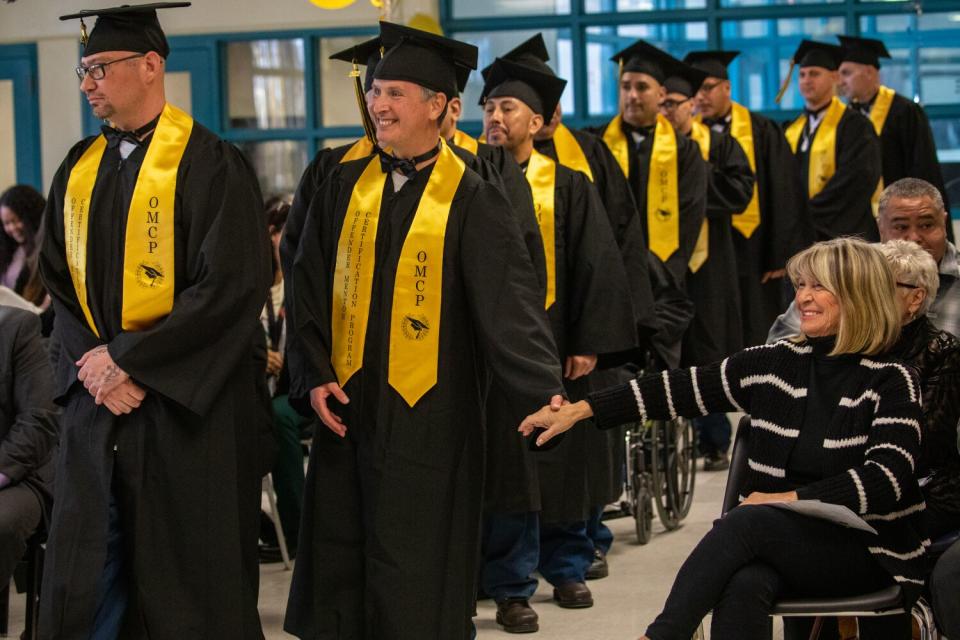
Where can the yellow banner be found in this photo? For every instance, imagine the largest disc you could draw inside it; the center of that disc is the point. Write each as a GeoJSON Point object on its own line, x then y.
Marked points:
{"type": "Point", "coordinates": [618, 144]}
{"type": "Point", "coordinates": [148, 259]}
{"type": "Point", "coordinates": [878, 116]}
{"type": "Point", "coordinates": [823, 149]}
{"type": "Point", "coordinates": [464, 141]}
{"type": "Point", "coordinates": [663, 197]}
{"type": "Point", "coordinates": [362, 148]}
{"type": "Point", "coordinates": [542, 176]}
{"type": "Point", "coordinates": [741, 128]}
{"type": "Point", "coordinates": [415, 317]}
{"type": "Point", "coordinates": [700, 133]}
{"type": "Point", "coordinates": [569, 153]}
{"type": "Point", "coordinates": [353, 275]}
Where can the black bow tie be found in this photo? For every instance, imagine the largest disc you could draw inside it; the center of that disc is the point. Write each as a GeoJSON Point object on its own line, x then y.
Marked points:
{"type": "Point", "coordinates": [115, 136]}
{"type": "Point", "coordinates": [405, 166]}
{"type": "Point", "coordinates": [810, 113]}
{"type": "Point", "coordinates": [643, 131]}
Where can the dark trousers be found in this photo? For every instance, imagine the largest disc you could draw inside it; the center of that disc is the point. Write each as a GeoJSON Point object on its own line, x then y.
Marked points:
{"type": "Point", "coordinates": [599, 533]}
{"type": "Point", "coordinates": [515, 545]}
{"type": "Point", "coordinates": [112, 592]}
{"type": "Point", "coordinates": [20, 514]}
{"type": "Point", "coordinates": [756, 555]}
{"type": "Point", "coordinates": [944, 587]}
{"type": "Point", "coordinates": [713, 433]}
{"type": "Point", "coordinates": [288, 477]}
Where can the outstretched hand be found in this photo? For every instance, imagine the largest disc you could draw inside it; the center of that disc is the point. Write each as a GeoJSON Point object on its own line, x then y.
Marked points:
{"type": "Point", "coordinates": [555, 418]}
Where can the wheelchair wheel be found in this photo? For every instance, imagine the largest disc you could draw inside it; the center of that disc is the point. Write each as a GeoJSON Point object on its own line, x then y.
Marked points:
{"type": "Point", "coordinates": [663, 467]}
{"type": "Point", "coordinates": [641, 502]}
{"type": "Point", "coordinates": [686, 465]}
{"type": "Point", "coordinates": [643, 514]}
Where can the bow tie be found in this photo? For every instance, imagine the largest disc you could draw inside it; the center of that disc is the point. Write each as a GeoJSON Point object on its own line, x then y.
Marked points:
{"type": "Point", "coordinates": [810, 113]}
{"type": "Point", "coordinates": [643, 131]}
{"type": "Point", "coordinates": [115, 136]}
{"type": "Point", "coordinates": [405, 166]}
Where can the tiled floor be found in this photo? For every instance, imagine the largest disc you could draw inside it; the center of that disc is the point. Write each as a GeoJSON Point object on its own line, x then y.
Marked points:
{"type": "Point", "coordinates": [640, 577]}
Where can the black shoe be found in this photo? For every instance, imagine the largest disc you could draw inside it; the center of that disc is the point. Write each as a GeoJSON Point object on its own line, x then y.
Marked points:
{"type": "Point", "coordinates": [598, 568]}
{"type": "Point", "coordinates": [573, 595]}
{"type": "Point", "coordinates": [516, 616]}
{"type": "Point", "coordinates": [716, 462]}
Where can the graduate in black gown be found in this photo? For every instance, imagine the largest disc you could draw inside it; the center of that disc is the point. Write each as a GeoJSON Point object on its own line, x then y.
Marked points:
{"type": "Point", "coordinates": [772, 226]}
{"type": "Point", "coordinates": [671, 214]}
{"type": "Point", "coordinates": [157, 262]}
{"type": "Point", "coordinates": [411, 282]}
{"type": "Point", "coordinates": [906, 141]}
{"type": "Point", "coordinates": [837, 149]}
{"type": "Point", "coordinates": [589, 307]}
{"type": "Point", "coordinates": [716, 330]}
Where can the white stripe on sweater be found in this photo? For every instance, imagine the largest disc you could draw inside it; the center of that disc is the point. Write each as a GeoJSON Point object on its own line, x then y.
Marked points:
{"type": "Point", "coordinates": [696, 391]}
{"type": "Point", "coordinates": [642, 410]}
{"type": "Point", "coordinates": [869, 394]}
{"type": "Point", "coordinates": [893, 447]}
{"type": "Point", "coordinates": [666, 390]}
{"type": "Point", "coordinates": [904, 579]}
{"type": "Point", "coordinates": [726, 385]}
{"type": "Point", "coordinates": [776, 472]}
{"type": "Point", "coordinates": [843, 443]}
{"type": "Point", "coordinates": [789, 344]}
{"type": "Point", "coordinates": [910, 555]}
{"type": "Point", "coordinates": [780, 383]}
{"type": "Point", "coordinates": [890, 477]}
{"type": "Point", "coordinates": [775, 428]}
{"type": "Point", "coordinates": [896, 515]}
{"type": "Point", "coordinates": [873, 364]}
{"type": "Point", "coordinates": [910, 422]}
{"type": "Point", "coordinates": [860, 491]}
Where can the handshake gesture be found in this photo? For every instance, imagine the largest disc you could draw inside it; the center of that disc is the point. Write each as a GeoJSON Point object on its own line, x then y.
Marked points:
{"type": "Point", "coordinates": [555, 418]}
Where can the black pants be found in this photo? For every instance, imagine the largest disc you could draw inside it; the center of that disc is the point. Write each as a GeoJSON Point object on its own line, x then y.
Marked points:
{"type": "Point", "coordinates": [944, 586]}
{"type": "Point", "coordinates": [20, 514]}
{"type": "Point", "coordinates": [755, 556]}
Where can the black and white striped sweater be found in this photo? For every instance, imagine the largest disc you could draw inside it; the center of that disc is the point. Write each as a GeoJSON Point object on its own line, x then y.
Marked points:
{"type": "Point", "coordinates": [869, 452]}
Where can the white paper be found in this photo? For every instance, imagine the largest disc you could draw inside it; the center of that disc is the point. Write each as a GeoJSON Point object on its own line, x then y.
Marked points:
{"type": "Point", "coordinates": [836, 513]}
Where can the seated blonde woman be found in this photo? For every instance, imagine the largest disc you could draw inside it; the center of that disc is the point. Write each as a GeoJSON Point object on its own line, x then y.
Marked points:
{"type": "Point", "coordinates": [831, 420]}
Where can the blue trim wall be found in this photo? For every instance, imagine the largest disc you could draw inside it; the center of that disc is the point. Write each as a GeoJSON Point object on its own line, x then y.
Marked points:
{"type": "Point", "coordinates": [18, 62]}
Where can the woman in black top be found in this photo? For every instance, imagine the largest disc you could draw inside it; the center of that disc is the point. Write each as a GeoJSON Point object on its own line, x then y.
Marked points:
{"type": "Point", "coordinates": [831, 420]}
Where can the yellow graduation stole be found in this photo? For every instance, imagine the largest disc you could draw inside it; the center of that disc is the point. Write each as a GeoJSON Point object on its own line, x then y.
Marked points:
{"type": "Point", "coordinates": [148, 252]}
{"type": "Point", "coordinates": [663, 198]}
{"type": "Point", "coordinates": [741, 128]}
{"type": "Point", "coordinates": [362, 148]}
{"type": "Point", "coordinates": [569, 153]}
{"type": "Point", "coordinates": [878, 116]}
{"type": "Point", "coordinates": [464, 141]}
{"type": "Point", "coordinates": [823, 149]}
{"type": "Point", "coordinates": [542, 176]}
{"type": "Point", "coordinates": [415, 313]}
{"type": "Point", "coordinates": [700, 134]}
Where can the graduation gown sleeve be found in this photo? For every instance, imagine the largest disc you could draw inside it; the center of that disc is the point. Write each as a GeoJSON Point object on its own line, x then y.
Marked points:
{"type": "Point", "coordinates": [730, 183]}
{"type": "Point", "coordinates": [908, 146]}
{"type": "Point", "coordinates": [693, 180]}
{"type": "Point", "coordinates": [785, 228]}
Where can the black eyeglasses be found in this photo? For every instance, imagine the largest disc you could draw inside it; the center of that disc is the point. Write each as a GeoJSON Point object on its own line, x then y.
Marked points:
{"type": "Point", "coordinates": [670, 105]}
{"type": "Point", "coordinates": [99, 71]}
{"type": "Point", "coordinates": [907, 286]}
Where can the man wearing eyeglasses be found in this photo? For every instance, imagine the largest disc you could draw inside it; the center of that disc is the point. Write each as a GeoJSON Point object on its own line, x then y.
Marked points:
{"type": "Point", "coordinates": [157, 262]}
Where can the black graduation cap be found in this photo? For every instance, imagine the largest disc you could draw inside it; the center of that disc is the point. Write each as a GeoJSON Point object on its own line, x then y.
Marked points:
{"type": "Point", "coordinates": [713, 63]}
{"type": "Point", "coordinates": [532, 53]}
{"type": "Point", "coordinates": [643, 57]}
{"type": "Point", "coordinates": [424, 58]}
{"type": "Point", "coordinates": [811, 53]}
{"type": "Point", "coordinates": [862, 50]}
{"type": "Point", "coordinates": [366, 53]}
{"type": "Point", "coordinates": [685, 80]}
{"type": "Point", "coordinates": [538, 90]}
{"type": "Point", "coordinates": [125, 28]}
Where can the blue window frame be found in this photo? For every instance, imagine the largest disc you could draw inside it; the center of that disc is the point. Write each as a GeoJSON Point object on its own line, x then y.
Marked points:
{"type": "Point", "coordinates": [18, 65]}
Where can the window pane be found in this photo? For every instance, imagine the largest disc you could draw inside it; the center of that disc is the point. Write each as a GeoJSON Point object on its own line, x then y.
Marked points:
{"type": "Point", "coordinates": [494, 43]}
{"type": "Point", "coordinates": [766, 47]}
{"type": "Point", "coordinates": [606, 6]}
{"type": "Point", "coordinates": [278, 163]}
{"type": "Point", "coordinates": [338, 99]}
{"type": "Point", "coordinates": [678, 38]}
{"type": "Point", "coordinates": [763, 3]}
{"type": "Point", "coordinates": [500, 8]}
{"type": "Point", "coordinates": [266, 84]}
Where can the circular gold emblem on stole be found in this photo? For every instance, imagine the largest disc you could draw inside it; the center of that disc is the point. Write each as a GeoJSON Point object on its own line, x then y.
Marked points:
{"type": "Point", "coordinates": [415, 327]}
{"type": "Point", "coordinates": [150, 276]}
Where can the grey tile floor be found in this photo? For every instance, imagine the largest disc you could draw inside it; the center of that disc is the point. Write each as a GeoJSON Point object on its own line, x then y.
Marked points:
{"type": "Point", "coordinates": [626, 601]}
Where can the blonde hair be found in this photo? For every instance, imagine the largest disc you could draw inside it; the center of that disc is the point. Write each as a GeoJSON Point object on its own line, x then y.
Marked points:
{"type": "Point", "coordinates": [860, 277]}
{"type": "Point", "coordinates": [912, 265]}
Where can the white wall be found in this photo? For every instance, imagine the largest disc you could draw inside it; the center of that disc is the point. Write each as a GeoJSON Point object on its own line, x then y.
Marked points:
{"type": "Point", "coordinates": [57, 46]}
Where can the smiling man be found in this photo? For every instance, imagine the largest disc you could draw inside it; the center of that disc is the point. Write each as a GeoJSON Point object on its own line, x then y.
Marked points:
{"type": "Point", "coordinates": [411, 286]}
{"type": "Point", "coordinates": [157, 263]}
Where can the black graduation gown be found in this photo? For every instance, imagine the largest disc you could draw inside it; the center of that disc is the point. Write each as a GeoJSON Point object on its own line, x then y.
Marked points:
{"type": "Point", "coordinates": [783, 230]}
{"type": "Point", "coordinates": [392, 511]}
{"type": "Point", "coordinates": [716, 330]}
{"type": "Point", "coordinates": [592, 314]}
{"type": "Point", "coordinates": [186, 465]}
{"type": "Point", "coordinates": [842, 208]}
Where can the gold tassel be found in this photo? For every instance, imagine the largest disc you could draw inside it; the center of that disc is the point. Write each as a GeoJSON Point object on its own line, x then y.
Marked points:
{"type": "Point", "coordinates": [786, 83]}
{"type": "Point", "coordinates": [620, 68]}
{"type": "Point", "coordinates": [84, 38]}
{"type": "Point", "coordinates": [368, 127]}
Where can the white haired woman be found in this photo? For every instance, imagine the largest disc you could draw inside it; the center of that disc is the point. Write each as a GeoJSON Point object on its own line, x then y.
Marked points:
{"type": "Point", "coordinates": [832, 419]}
